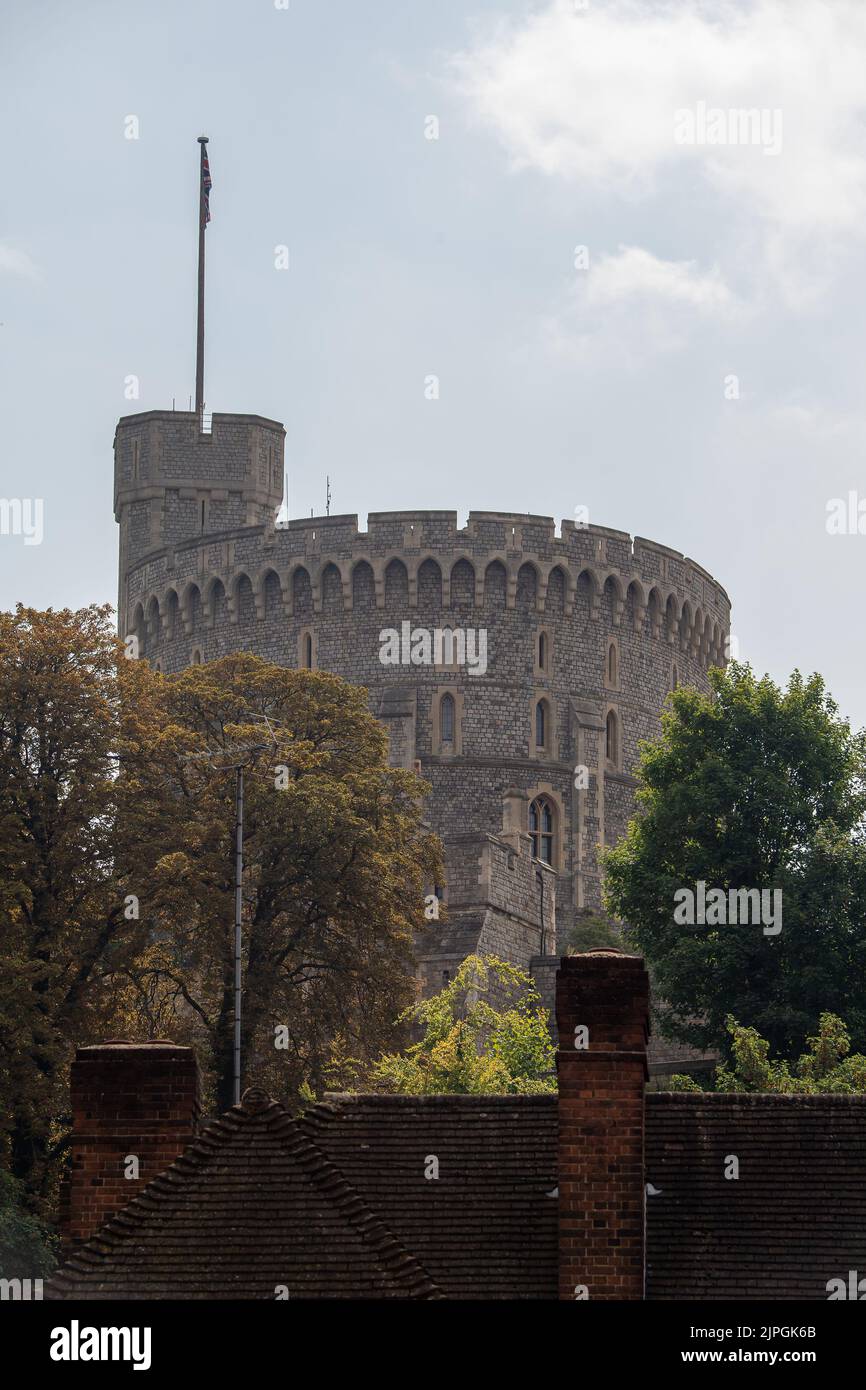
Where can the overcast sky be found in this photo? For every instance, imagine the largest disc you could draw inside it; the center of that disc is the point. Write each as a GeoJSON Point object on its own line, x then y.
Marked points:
{"type": "Point", "coordinates": [695, 375]}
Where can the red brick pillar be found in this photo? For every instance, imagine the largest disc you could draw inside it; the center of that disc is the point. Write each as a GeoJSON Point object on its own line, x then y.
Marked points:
{"type": "Point", "coordinates": [129, 1100]}
{"type": "Point", "coordinates": [601, 1124]}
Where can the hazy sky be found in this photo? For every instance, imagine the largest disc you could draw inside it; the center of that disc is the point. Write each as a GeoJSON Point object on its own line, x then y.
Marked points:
{"type": "Point", "coordinates": [696, 375]}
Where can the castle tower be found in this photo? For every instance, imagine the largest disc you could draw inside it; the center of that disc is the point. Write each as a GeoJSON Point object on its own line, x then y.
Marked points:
{"type": "Point", "coordinates": [564, 644]}
{"type": "Point", "coordinates": [181, 477]}
{"type": "Point", "coordinates": [531, 752]}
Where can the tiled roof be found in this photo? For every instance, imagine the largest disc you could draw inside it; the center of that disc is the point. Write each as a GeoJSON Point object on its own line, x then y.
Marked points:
{"type": "Point", "coordinates": [252, 1205]}
{"type": "Point", "coordinates": [487, 1226]}
{"type": "Point", "coordinates": [337, 1204]}
{"type": "Point", "coordinates": [793, 1219]}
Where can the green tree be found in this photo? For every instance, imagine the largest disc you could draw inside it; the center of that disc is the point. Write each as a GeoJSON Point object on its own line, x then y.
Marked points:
{"type": "Point", "coordinates": [750, 787]}
{"type": "Point", "coordinates": [28, 1247]}
{"type": "Point", "coordinates": [826, 1066]}
{"type": "Point", "coordinates": [484, 1033]}
{"type": "Point", "coordinates": [592, 930]}
{"type": "Point", "coordinates": [338, 864]}
{"type": "Point", "coordinates": [116, 872]}
{"type": "Point", "coordinates": [63, 721]}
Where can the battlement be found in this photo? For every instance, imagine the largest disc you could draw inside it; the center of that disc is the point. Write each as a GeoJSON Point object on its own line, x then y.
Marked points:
{"type": "Point", "coordinates": [502, 529]}
{"type": "Point", "coordinates": [503, 532]}
{"type": "Point", "coordinates": [408, 560]}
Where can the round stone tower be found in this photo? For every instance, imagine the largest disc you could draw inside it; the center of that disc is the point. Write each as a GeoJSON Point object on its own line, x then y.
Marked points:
{"type": "Point", "coordinates": [517, 667]}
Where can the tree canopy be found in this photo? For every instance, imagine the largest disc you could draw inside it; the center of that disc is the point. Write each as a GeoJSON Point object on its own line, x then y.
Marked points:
{"type": "Point", "coordinates": [485, 1032]}
{"type": "Point", "coordinates": [750, 787]}
{"type": "Point", "coordinates": [826, 1067]}
{"type": "Point", "coordinates": [116, 870]}
{"type": "Point", "coordinates": [591, 930]}
{"type": "Point", "coordinates": [62, 724]}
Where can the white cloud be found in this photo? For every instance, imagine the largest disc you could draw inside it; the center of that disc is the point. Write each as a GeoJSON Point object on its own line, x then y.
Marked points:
{"type": "Point", "coordinates": [808, 418]}
{"type": "Point", "coordinates": [591, 96]}
{"type": "Point", "coordinates": [14, 262]}
{"type": "Point", "coordinates": [629, 305]}
{"type": "Point", "coordinates": [635, 273]}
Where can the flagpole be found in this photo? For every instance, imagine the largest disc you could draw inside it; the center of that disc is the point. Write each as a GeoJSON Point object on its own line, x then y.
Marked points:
{"type": "Point", "coordinates": [199, 342]}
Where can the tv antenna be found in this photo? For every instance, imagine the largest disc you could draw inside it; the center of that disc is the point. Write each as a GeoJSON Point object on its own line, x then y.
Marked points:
{"type": "Point", "coordinates": [237, 758]}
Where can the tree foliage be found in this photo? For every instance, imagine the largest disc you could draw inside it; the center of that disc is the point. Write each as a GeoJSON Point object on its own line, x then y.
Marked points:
{"type": "Point", "coordinates": [62, 724]}
{"type": "Point", "coordinates": [825, 1067]}
{"type": "Point", "coordinates": [750, 787]}
{"type": "Point", "coordinates": [592, 930]}
{"type": "Point", "coordinates": [337, 857]}
{"type": "Point", "coordinates": [117, 819]}
{"type": "Point", "coordinates": [485, 1032]}
{"type": "Point", "coordinates": [28, 1247]}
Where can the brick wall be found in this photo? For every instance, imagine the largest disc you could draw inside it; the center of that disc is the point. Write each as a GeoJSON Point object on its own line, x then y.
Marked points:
{"type": "Point", "coordinates": [129, 1100]}
{"type": "Point", "coordinates": [601, 1124]}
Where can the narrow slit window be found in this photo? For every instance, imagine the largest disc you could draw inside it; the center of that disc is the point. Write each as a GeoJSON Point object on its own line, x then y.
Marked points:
{"type": "Point", "coordinates": [446, 719]}
{"type": "Point", "coordinates": [611, 739]}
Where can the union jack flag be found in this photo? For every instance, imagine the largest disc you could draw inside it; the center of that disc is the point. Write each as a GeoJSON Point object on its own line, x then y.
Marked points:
{"type": "Point", "coordinates": [206, 184]}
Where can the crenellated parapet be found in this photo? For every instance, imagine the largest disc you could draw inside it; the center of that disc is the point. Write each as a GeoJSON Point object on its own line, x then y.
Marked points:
{"type": "Point", "coordinates": [495, 560]}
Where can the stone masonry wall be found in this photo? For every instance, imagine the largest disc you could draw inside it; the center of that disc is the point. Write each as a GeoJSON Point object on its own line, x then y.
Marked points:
{"type": "Point", "coordinates": [268, 590]}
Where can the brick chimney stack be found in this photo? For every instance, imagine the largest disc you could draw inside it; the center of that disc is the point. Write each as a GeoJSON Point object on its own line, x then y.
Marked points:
{"type": "Point", "coordinates": [602, 1018]}
{"type": "Point", "coordinates": [130, 1101]}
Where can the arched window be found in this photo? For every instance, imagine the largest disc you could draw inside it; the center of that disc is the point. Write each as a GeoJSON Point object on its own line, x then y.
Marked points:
{"type": "Point", "coordinates": [196, 657]}
{"type": "Point", "coordinates": [446, 719]}
{"type": "Point", "coordinates": [611, 665]}
{"type": "Point", "coordinates": [541, 829]}
{"type": "Point", "coordinates": [308, 651]}
{"type": "Point", "coordinates": [675, 677]}
{"type": "Point", "coordinates": [611, 746]}
{"type": "Point", "coordinates": [541, 730]}
{"type": "Point", "coordinates": [542, 651]}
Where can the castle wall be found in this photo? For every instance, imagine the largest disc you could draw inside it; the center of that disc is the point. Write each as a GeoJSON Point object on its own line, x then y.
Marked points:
{"type": "Point", "coordinates": [324, 587]}
{"type": "Point", "coordinates": [500, 902]}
